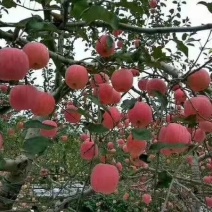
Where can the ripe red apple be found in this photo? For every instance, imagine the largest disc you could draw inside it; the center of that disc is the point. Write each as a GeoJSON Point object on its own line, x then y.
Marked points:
{"type": "Point", "coordinates": [84, 137]}
{"type": "Point", "coordinates": [135, 147]}
{"type": "Point", "coordinates": [205, 126]}
{"type": "Point", "coordinates": [44, 104]}
{"type": "Point", "coordinates": [119, 166]}
{"type": "Point", "coordinates": [20, 125]}
{"type": "Point", "coordinates": [111, 118]}
{"type": "Point", "coordinates": [99, 79]}
{"type": "Point", "coordinates": [14, 64]}
{"type": "Point", "coordinates": [23, 97]}
{"type": "Point", "coordinates": [76, 77]}
{"type": "Point", "coordinates": [104, 92]}
{"type": "Point", "coordinates": [38, 55]}
{"type": "Point", "coordinates": [71, 114]}
{"type": "Point", "coordinates": [207, 179]}
{"type": "Point", "coordinates": [199, 106]}
{"type": "Point", "coordinates": [142, 84]}
{"type": "Point", "coordinates": [198, 135]}
{"type": "Point", "coordinates": [89, 150]}
{"type": "Point", "coordinates": [4, 88]}
{"type": "Point", "coordinates": [110, 145]}
{"type": "Point", "coordinates": [199, 80]}
{"type": "Point", "coordinates": [174, 134]}
{"type": "Point", "coordinates": [140, 115]}
{"type": "Point", "coordinates": [147, 198]}
{"type": "Point", "coordinates": [122, 80]}
{"type": "Point", "coordinates": [64, 138]}
{"type": "Point", "coordinates": [126, 196]}
{"type": "Point", "coordinates": [135, 72]}
{"type": "Point", "coordinates": [104, 178]}
{"type": "Point", "coordinates": [105, 46]}
{"type": "Point", "coordinates": [116, 33]}
{"type": "Point", "coordinates": [209, 202]}
{"type": "Point", "coordinates": [116, 97]}
{"type": "Point", "coordinates": [153, 3]}
{"type": "Point", "coordinates": [120, 44]}
{"type": "Point", "coordinates": [180, 96]}
{"type": "Point", "coordinates": [156, 85]}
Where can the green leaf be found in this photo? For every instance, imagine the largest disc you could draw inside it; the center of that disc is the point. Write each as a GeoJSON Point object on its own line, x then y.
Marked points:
{"type": "Point", "coordinates": [46, 1]}
{"type": "Point", "coordinates": [48, 42]}
{"type": "Point", "coordinates": [36, 145]}
{"type": "Point", "coordinates": [160, 146]}
{"type": "Point", "coordinates": [208, 5]}
{"type": "Point", "coordinates": [96, 101]}
{"type": "Point", "coordinates": [156, 108]}
{"type": "Point", "coordinates": [84, 113]}
{"type": "Point", "coordinates": [37, 124]}
{"type": "Point", "coordinates": [100, 13]}
{"type": "Point", "coordinates": [47, 26]}
{"type": "Point", "coordinates": [8, 3]}
{"type": "Point", "coordinates": [210, 142]}
{"type": "Point", "coordinates": [110, 42]}
{"type": "Point", "coordinates": [171, 11]}
{"type": "Point", "coordinates": [125, 57]}
{"type": "Point", "coordinates": [158, 53]}
{"type": "Point", "coordinates": [162, 99]}
{"type": "Point", "coordinates": [190, 120]}
{"type": "Point", "coordinates": [164, 179]}
{"type": "Point", "coordinates": [132, 6]}
{"type": "Point", "coordinates": [95, 128]}
{"type": "Point", "coordinates": [142, 134]}
{"type": "Point", "coordinates": [181, 46]}
{"type": "Point", "coordinates": [1, 126]}
{"type": "Point", "coordinates": [34, 23]}
{"type": "Point", "coordinates": [128, 103]}
{"type": "Point", "coordinates": [4, 109]}
{"type": "Point", "coordinates": [37, 25]}
{"type": "Point", "coordinates": [184, 36]}
{"type": "Point", "coordinates": [208, 91]}
{"type": "Point", "coordinates": [2, 163]}
{"type": "Point", "coordinates": [78, 8]}
{"type": "Point", "coordinates": [82, 34]}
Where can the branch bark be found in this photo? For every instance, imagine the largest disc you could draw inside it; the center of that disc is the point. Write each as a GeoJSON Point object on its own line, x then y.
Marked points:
{"type": "Point", "coordinates": [129, 28]}
{"type": "Point", "coordinates": [196, 175]}
{"type": "Point", "coordinates": [14, 165]}
{"type": "Point", "coordinates": [171, 70]}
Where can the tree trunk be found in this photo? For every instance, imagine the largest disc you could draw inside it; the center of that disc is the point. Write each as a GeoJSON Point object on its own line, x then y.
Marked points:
{"type": "Point", "coordinates": [14, 176]}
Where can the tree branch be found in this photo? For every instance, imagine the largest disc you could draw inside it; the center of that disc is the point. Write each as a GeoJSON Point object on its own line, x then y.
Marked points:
{"type": "Point", "coordinates": [165, 29]}
{"type": "Point", "coordinates": [155, 30]}
{"type": "Point", "coordinates": [171, 70]}
{"type": "Point", "coordinates": [66, 201]}
{"type": "Point", "coordinates": [14, 165]}
{"type": "Point", "coordinates": [130, 28]}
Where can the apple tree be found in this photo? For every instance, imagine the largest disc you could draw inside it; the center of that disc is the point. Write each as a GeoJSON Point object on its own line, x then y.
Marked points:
{"type": "Point", "coordinates": [129, 121]}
